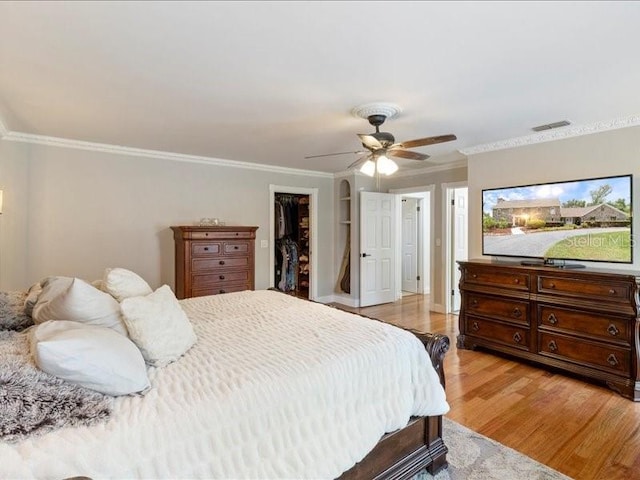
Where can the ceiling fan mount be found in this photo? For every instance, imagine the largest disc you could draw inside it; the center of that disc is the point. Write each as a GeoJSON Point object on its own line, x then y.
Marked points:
{"type": "Point", "coordinates": [381, 145]}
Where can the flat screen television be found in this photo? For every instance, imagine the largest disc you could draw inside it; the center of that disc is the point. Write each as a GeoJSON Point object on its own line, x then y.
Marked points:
{"type": "Point", "coordinates": [549, 223]}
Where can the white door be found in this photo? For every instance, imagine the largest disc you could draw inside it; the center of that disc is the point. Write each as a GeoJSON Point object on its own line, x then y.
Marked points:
{"type": "Point", "coordinates": [459, 239]}
{"type": "Point", "coordinates": [410, 245]}
{"type": "Point", "coordinates": [377, 248]}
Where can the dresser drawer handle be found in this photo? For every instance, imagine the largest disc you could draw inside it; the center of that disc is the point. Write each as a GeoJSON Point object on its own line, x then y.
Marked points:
{"type": "Point", "coordinates": [475, 327]}
{"type": "Point", "coordinates": [517, 337]}
{"type": "Point", "coordinates": [206, 249]}
{"type": "Point", "coordinates": [612, 360]}
{"type": "Point", "coordinates": [552, 319]}
{"type": "Point", "coordinates": [517, 313]}
{"type": "Point", "coordinates": [235, 247]}
{"type": "Point", "coordinates": [237, 234]}
{"type": "Point", "coordinates": [221, 277]}
{"type": "Point", "coordinates": [221, 262]}
{"type": "Point", "coordinates": [222, 291]}
{"type": "Point", "coordinates": [517, 280]}
{"type": "Point", "coordinates": [613, 330]}
{"type": "Point", "coordinates": [612, 291]}
{"type": "Point", "coordinates": [552, 285]}
{"type": "Point", "coordinates": [553, 346]}
{"type": "Point", "coordinates": [474, 275]}
{"type": "Point", "coordinates": [474, 302]}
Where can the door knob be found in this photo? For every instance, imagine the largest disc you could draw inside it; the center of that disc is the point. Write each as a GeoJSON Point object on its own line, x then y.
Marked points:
{"type": "Point", "coordinates": [366, 255]}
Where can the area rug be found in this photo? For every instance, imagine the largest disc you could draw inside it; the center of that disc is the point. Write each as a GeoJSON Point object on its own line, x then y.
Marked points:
{"type": "Point", "coordinates": [475, 457]}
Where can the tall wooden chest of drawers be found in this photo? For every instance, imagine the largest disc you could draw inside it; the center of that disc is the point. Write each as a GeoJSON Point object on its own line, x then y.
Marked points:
{"type": "Point", "coordinates": [213, 260]}
{"type": "Point", "coordinates": [584, 321]}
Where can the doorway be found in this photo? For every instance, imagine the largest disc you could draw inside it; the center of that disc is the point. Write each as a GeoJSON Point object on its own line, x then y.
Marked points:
{"type": "Point", "coordinates": [422, 198]}
{"type": "Point", "coordinates": [456, 239]}
{"type": "Point", "coordinates": [304, 275]}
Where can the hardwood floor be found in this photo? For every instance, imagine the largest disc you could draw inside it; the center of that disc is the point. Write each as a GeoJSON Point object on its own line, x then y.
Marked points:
{"type": "Point", "coordinates": [583, 430]}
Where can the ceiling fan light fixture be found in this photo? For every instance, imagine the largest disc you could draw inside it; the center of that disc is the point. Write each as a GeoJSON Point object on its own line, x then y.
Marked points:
{"type": "Point", "coordinates": [368, 168]}
{"type": "Point", "coordinates": [386, 166]}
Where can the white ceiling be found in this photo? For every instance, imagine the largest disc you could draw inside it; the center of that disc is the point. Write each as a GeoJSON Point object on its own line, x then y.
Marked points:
{"type": "Point", "coordinates": [273, 82]}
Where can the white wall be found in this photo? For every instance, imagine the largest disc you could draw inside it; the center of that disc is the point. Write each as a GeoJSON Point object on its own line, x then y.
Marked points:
{"type": "Point", "coordinates": [615, 152]}
{"type": "Point", "coordinates": [76, 212]}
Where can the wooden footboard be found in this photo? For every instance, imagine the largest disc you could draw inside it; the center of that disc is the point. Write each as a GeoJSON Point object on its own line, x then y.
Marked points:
{"type": "Point", "coordinates": [403, 453]}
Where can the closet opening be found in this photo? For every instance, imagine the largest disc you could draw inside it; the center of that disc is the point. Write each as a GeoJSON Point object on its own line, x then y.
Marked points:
{"type": "Point", "coordinates": [292, 243]}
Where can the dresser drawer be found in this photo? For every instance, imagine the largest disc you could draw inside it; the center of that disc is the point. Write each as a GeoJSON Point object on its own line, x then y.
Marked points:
{"type": "Point", "coordinates": [219, 278]}
{"type": "Point", "coordinates": [598, 326]}
{"type": "Point", "coordinates": [596, 355]}
{"type": "Point", "coordinates": [207, 264]}
{"type": "Point", "coordinates": [205, 248]}
{"type": "Point", "coordinates": [235, 248]}
{"type": "Point", "coordinates": [201, 292]}
{"type": "Point", "coordinates": [215, 235]}
{"type": "Point", "coordinates": [510, 335]}
{"type": "Point", "coordinates": [497, 277]}
{"type": "Point", "coordinates": [587, 289]}
{"type": "Point", "coordinates": [497, 307]}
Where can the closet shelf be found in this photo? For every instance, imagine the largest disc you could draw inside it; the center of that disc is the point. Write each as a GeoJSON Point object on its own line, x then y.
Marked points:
{"type": "Point", "coordinates": [346, 222]}
{"type": "Point", "coordinates": [345, 198]}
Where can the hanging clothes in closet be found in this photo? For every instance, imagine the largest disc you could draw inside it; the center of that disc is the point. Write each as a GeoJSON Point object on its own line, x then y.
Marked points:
{"type": "Point", "coordinates": [286, 248]}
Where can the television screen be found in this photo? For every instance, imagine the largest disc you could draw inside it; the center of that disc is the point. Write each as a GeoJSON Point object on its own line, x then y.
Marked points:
{"type": "Point", "coordinates": [587, 220]}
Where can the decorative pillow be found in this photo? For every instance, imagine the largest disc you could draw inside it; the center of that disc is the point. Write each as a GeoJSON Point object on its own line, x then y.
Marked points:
{"type": "Point", "coordinates": [65, 298]}
{"type": "Point", "coordinates": [12, 312]}
{"type": "Point", "coordinates": [88, 355]}
{"type": "Point", "coordinates": [32, 298]}
{"type": "Point", "coordinates": [122, 283]}
{"type": "Point", "coordinates": [158, 326]}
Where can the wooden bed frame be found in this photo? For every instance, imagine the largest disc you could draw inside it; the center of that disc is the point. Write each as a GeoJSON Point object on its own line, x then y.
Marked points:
{"type": "Point", "coordinates": [403, 453]}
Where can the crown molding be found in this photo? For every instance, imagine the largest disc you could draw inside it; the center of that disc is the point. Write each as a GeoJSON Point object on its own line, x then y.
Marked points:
{"type": "Point", "coordinates": [436, 168]}
{"type": "Point", "coordinates": [140, 152]}
{"type": "Point", "coordinates": [556, 134]}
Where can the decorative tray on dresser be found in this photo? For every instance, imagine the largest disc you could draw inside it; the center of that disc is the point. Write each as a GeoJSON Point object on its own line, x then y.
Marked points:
{"type": "Point", "coordinates": [581, 321]}
{"type": "Point", "coordinates": [212, 260]}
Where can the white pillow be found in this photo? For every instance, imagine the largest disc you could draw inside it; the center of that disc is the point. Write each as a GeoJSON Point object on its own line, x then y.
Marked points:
{"type": "Point", "coordinates": [158, 326]}
{"type": "Point", "coordinates": [32, 298]}
{"type": "Point", "coordinates": [65, 298]}
{"type": "Point", "coordinates": [92, 356]}
{"type": "Point", "coordinates": [122, 283]}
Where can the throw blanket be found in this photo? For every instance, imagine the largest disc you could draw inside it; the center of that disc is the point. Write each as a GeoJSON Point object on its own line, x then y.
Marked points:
{"type": "Point", "coordinates": [34, 402]}
{"type": "Point", "coordinates": [276, 387]}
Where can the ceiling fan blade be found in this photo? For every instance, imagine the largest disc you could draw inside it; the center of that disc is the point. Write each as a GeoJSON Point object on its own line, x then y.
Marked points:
{"type": "Point", "coordinates": [421, 142]}
{"type": "Point", "coordinates": [332, 154]}
{"type": "Point", "coordinates": [358, 161]}
{"type": "Point", "coordinates": [370, 141]}
{"type": "Point", "coordinates": [407, 154]}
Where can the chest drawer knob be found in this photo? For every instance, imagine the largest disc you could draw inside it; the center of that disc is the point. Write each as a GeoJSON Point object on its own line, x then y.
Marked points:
{"type": "Point", "coordinates": [552, 285]}
{"type": "Point", "coordinates": [517, 312]}
{"type": "Point", "coordinates": [475, 327]}
{"type": "Point", "coordinates": [222, 291]}
{"type": "Point", "coordinates": [612, 360]}
{"type": "Point", "coordinates": [552, 319]}
{"type": "Point", "coordinates": [474, 302]}
{"type": "Point", "coordinates": [221, 277]}
{"type": "Point", "coordinates": [221, 262]}
{"type": "Point", "coordinates": [474, 275]}
{"type": "Point", "coordinates": [235, 247]}
{"type": "Point", "coordinates": [553, 346]}
{"type": "Point", "coordinates": [517, 337]}
{"type": "Point", "coordinates": [516, 281]}
{"type": "Point", "coordinates": [206, 249]}
{"type": "Point", "coordinates": [612, 291]}
{"type": "Point", "coordinates": [613, 330]}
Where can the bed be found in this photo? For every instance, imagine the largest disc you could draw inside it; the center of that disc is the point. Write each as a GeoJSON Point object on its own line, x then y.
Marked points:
{"type": "Point", "coordinates": [274, 387]}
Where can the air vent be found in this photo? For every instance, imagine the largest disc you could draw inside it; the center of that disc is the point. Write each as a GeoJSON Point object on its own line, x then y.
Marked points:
{"type": "Point", "coordinates": [549, 126]}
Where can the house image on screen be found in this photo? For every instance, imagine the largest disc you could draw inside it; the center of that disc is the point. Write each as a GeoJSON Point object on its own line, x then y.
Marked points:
{"type": "Point", "coordinates": [519, 213]}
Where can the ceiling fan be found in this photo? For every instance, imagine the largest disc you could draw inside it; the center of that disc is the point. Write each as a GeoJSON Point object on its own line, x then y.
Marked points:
{"type": "Point", "coordinates": [382, 145]}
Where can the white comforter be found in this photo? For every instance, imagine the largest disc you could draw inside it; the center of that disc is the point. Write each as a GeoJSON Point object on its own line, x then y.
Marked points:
{"type": "Point", "coordinates": [276, 387]}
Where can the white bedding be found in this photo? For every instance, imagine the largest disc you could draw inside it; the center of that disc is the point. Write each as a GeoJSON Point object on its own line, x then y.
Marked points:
{"type": "Point", "coordinates": [276, 387]}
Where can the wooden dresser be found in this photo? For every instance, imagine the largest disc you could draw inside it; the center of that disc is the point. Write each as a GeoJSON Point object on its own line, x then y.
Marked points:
{"type": "Point", "coordinates": [583, 321]}
{"type": "Point", "coordinates": [212, 260]}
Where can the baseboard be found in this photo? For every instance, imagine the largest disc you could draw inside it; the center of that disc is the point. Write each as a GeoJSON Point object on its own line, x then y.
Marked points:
{"type": "Point", "coordinates": [341, 299]}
